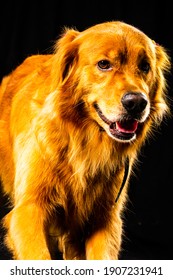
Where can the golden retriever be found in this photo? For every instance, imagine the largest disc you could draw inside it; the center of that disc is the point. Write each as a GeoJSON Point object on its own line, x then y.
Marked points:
{"type": "Point", "coordinates": [69, 123]}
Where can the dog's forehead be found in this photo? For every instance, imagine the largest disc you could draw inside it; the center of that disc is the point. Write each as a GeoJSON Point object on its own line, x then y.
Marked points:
{"type": "Point", "coordinates": [114, 29]}
{"type": "Point", "coordinates": [113, 38]}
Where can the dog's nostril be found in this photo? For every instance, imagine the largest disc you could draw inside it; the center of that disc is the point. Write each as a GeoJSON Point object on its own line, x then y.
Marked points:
{"type": "Point", "coordinates": [134, 102]}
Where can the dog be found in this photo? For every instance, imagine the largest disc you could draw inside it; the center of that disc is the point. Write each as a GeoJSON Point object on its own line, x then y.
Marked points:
{"type": "Point", "coordinates": [71, 127]}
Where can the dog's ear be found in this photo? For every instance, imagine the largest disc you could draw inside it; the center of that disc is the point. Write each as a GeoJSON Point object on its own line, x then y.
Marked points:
{"type": "Point", "coordinates": [163, 65]}
{"type": "Point", "coordinates": [66, 55]}
{"type": "Point", "coordinates": [163, 59]}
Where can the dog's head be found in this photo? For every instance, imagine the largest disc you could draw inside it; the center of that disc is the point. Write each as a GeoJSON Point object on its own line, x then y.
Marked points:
{"type": "Point", "coordinates": [117, 73]}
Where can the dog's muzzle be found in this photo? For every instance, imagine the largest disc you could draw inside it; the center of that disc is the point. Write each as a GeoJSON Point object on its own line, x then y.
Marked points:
{"type": "Point", "coordinates": [125, 129]}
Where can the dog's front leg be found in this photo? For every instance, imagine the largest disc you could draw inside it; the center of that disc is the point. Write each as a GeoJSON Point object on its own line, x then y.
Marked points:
{"type": "Point", "coordinates": [104, 244]}
{"type": "Point", "coordinates": [97, 247]}
{"type": "Point", "coordinates": [25, 233]}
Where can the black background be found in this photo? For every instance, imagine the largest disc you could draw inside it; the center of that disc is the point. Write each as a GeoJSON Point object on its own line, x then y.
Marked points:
{"type": "Point", "coordinates": [31, 27]}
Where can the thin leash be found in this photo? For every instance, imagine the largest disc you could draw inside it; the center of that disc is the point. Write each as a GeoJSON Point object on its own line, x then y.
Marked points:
{"type": "Point", "coordinates": [126, 172]}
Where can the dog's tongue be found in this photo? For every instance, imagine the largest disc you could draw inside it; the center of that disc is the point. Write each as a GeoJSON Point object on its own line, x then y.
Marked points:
{"type": "Point", "coordinates": [128, 126]}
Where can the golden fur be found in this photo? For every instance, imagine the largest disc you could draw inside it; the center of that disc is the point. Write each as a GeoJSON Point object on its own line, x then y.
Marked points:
{"type": "Point", "coordinates": [68, 121]}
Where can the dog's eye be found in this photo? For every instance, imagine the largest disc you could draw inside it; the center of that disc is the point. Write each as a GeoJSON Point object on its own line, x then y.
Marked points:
{"type": "Point", "coordinates": [104, 65]}
{"type": "Point", "coordinates": [144, 66]}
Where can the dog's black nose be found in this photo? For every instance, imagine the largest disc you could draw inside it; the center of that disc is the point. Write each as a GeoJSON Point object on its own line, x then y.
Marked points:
{"type": "Point", "coordinates": [134, 102]}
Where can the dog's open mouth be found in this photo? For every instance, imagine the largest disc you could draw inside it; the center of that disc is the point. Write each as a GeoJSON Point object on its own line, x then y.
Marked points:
{"type": "Point", "coordinates": [124, 130]}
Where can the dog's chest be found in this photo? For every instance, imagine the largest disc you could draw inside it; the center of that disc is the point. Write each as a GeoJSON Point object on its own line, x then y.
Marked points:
{"type": "Point", "coordinates": [90, 205]}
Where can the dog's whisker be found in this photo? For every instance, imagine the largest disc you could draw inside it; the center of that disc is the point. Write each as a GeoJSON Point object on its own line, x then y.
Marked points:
{"type": "Point", "coordinates": [78, 104]}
